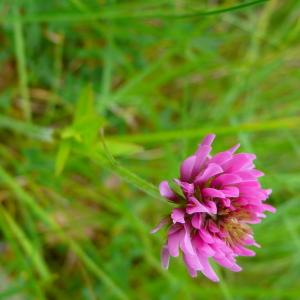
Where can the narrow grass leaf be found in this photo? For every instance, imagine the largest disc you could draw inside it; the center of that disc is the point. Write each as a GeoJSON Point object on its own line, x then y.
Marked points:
{"type": "Point", "coordinates": [44, 216]}
{"type": "Point", "coordinates": [27, 129]}
{"type": "Point", "coordinates": [134, 14]}
{"type": "Point", "coordinates": [287, 123]}
{"type": "Point", "coordinates": [21, 63]}
{"type": "Point", "coordinates": [25, 243]}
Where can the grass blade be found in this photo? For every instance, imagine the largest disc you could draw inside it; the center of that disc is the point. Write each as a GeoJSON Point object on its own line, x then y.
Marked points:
{"type": "Point", "coordinates": [133, 14]}
{"type": "Point", "coordinates": [39, 212]}
{"type": "Point", "coordinates": [21, 63]}
{"type": "Point", "coordinates": [27, 129]}
{"type": "Point", "coordinates": [25, 243]}
{"type": "Point", "coordinates": [288, 123]}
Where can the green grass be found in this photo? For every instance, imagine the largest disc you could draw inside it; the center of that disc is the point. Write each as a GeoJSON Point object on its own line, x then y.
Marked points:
{"type": "Point", "coordinates": [100, 101]}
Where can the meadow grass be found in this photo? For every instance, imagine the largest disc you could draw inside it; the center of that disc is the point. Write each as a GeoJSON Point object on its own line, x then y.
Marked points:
{"type": "Point", "coordinates": [100, 101]}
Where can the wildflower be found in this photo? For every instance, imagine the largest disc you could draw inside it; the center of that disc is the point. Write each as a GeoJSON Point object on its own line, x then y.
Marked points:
{"type": "Point", "coordinates": [220, 197]}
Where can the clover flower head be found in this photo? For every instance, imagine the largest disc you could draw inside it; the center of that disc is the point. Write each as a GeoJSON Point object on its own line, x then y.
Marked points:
{"type": "Point", "coordinates": [220, 197]}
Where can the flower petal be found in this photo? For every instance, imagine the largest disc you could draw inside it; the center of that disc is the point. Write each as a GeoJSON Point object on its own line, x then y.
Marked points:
{"type": "Point", "coordinates": [212, 207]}
{"type": "Point", "coordinates": [194, 206]}
{"type": "Point", "coordinates": [167, 192]}
{"type": "Point", "coordinates": [212, 226]}
{"type": "Point", "coordinates": [213, 193]}
{"type": "Point", "coordinates": [177, 215]}
{"type": "Point", "coordinates": [208, 140]}
{"type": "Point", "coordinates": [196, 220]}
{"type": "Point", "coordinates": [186, 243]}
{"type": "Point", "coordinates": [206, 250]}
{"type": "Point", "coordinates": [242, 251]}
{"type": "Point", "coordinates": [162, 223]}
{"type": "Point", "coordinates": [189, 262]}
{"type": "Point", "coordinates": [174, 241]}
{"type": "Point", "coordinates": [226, 179]}
{"type": "Point", "coordinates": [269, 208]}
{"type": "Point", "coordinates": [231, 191]}
{"type": "Point", "coordinates": [192, 261]}
{"type": "Point", "coordinates": [201, 156]}
{"type": "Point", "coordinates": [205, 236]}
{"type": "Point", "coordinates": [240, 161]}
{"type": "Point", "coordinates": [248, 175]}
{"type": "Point", "coordinates": [187, 188]}
{"type": "Point", "coordinates": [211, 170]}
{"type": "Point", "coordinates": [225, 262]}
{"type": "Point", "coordinates": [207, 269]}
{"type": "Point", "coordinates": [234, 148]}
{"type": "Point", "coordinates": [221, 157]}
{"type": "Point", "coordinates": [226, 202]}
{"type": "Point", "coordinates": [165, 257]}
{"type": "Point", "coordinates": [187, 168]}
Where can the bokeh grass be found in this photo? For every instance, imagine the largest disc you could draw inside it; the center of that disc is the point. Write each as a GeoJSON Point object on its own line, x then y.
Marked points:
{"type": "Point", "coordinates": [100, 101]}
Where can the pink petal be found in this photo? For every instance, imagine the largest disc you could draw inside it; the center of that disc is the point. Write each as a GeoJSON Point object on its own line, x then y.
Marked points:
{"type": "Point", "coordinates": [206, 250]}
{"type": "Point", "coordinates": [256, 173]}
{"type": "Point", "coordinates": [234, 148]}
{"type": "Point", "coordinates": [267, 192]}
{"type": "Point", "coordinates": [210, 171]}
{"type": "Point", "coordinates": [208, 139]}
{"type": "Point", "coordinates": [187, 168]}
{"type": "Point", "coordinates": [201, 156]}
{"type": "Point", "coordinates": [226, 202]}
{"type": "Point", "coordinates": [194, 206]}
{"type": "Point", "coordinates": [196, 220]}
{"type": "Point", "coordinates": [167, 192]}
{"type": "Point", "coordinates": [175, 228]}
{"type": "Point", "coordinates": [207, 269]}
{"type": "Point", "coordinates": [225, 262]}
{"type": "Point", "coordinates": [226, 179]}
{"type": "Point", "coordinates": [240, 161]}
{"type": "Point", "coordinates": [206, 237]}
{"type": "Point", "coordinates": [221, 248]}
{"type": "Point", "coordinates": [212, 207]}
{"type": "Point", "coordinates": [253, 194]}
{"type": "Point", "coordinates": [269, 208]}
{"type": "Point", "coordinates": [186, 243]}
{"type": "Point", "coordinates": [248, 175]}
{"type": "Point", "coordinates": [187, 188]}
{"type": "Point", "coordinates": [221, 157]}
{"type": "Point", "coordinates": [249, 241]}
{"type": "Point", "coordinates": [165, 257]}
{"type": "Point", "coordinates": [261, 215]}
{"type": "Point", "coordinates": [249, 184]}
{"type": "Point", "coordinates": [231, 191]}
{"type": "Point", "coordinates": [240, 250]}
{"type": "Point", "coordinates": [177, 215]}
{"type": "Point", "coordinates": [189, 264]}
{"type": "Point", "coordinates": [174, 241]}
{"type": "Point", "coordinates": [212, 226]}
{"type": "Point", "coordinates": [162, 223]}
{"type": "Point", "coordinates": [213, 193]}
{"type": "Point", "coordinates": [192, 261]}
{"type": "Point", "coordinates": [243, 201]}
{"type": "Point", "coordinates": [222, 233]}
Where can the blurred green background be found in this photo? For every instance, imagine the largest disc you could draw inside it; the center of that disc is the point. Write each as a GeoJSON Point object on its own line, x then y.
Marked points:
{"type": "Point", "coordinates": [100, 100]}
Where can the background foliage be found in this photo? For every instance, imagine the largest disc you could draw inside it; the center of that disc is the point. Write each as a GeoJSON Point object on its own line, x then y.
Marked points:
{"type": "Point", "coordinates": [77, 203]}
